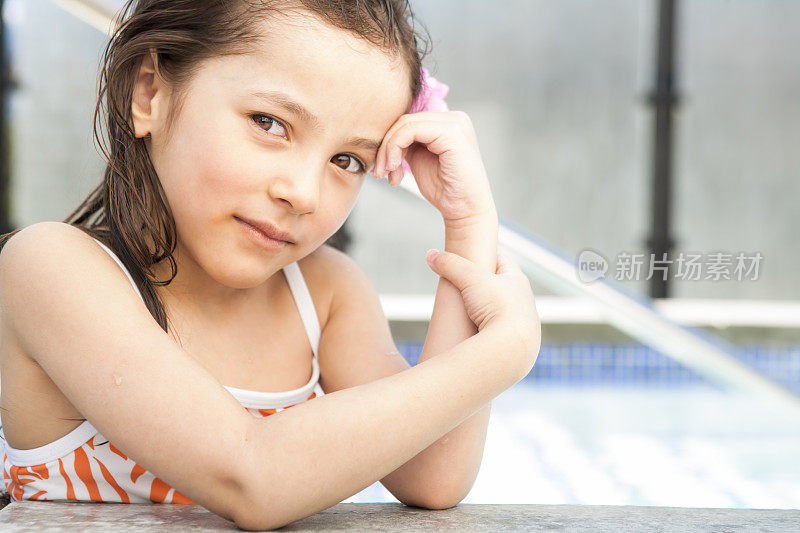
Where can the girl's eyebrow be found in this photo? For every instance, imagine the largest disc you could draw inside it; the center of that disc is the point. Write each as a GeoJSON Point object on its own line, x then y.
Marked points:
{"type": "Point", "coordinates": [296, 108]}
{"type": "Point", "coordinates": [368, 144]}
{"type": "Point", "coordinates": [285, 101]}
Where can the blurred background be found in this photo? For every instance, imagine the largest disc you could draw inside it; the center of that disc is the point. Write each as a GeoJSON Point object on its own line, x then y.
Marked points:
{"type": "Point", "coordinates": [610, 130]}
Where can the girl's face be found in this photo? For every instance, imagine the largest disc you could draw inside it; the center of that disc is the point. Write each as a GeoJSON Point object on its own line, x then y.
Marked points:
{"type": "Point", "coordinates": [284, 135]}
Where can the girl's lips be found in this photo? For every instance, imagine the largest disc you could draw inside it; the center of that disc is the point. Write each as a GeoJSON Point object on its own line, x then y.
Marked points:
{"type": "Point", "coordinates": [269, 229]}
{"type": "Point", "coordinates": [261, 238]}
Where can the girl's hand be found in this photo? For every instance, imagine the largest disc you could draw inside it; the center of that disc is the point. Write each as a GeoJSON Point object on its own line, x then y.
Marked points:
{"type": "Point", "coordinates": [503, 300]}
{"type": "Point", "coordinates": [442, 152]}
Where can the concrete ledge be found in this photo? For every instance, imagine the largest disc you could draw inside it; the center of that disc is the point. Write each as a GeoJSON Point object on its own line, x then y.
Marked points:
{"type": "Point", "coordinates": [394, 517]}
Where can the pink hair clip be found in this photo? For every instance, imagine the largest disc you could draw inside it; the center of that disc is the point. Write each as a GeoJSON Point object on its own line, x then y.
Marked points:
{"type": "Point", "coordinates": [431, 98]}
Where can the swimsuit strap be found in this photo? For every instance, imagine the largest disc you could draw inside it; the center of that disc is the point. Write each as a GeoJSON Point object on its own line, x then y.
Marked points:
{"type": "Point", "coordinates": [305, 305]}
{"type": "Point", "coordinates": [115, 258]}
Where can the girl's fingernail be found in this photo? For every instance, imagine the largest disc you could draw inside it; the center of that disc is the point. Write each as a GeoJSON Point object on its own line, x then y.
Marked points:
{"type": "Point", "coordinates": [431, 254]}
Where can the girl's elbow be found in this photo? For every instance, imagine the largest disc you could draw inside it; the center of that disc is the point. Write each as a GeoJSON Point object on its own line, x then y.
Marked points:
{"type": "Point", "coordinates": [258, 511]}
{"type": "Point", "coordinates": [438, 504]}
{"type": "Point", "coordinates": [260, 519]}
{"type": "Point", "coordinates": [449, 491]}
{"type": "Point", "coordinates": [437, 499]}
{"type": "Point", "coordinates": [248, 524]}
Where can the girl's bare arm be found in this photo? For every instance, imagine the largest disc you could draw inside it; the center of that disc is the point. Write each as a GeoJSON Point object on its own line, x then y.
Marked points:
{"type": "Point", "coordinates": [450, 465]}
{"type": "Point", "coordinates": [77, 316]}
{"type": "Point", "coordinates": [312, 456]}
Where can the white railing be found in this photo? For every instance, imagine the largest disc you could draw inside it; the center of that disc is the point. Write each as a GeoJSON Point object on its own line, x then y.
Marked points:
{"type": "Point", "coordinates": [97, 13]}
{"type": "Point", "coordinates": [695, 312]}
{"type": "Point", "coordinates": [635, 315]}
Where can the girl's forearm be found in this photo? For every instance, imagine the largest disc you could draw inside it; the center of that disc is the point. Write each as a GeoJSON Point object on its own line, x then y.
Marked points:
{"type": "Point", "coordinates": [309, 457]}
{"type": "Point", "coordinates": [448, 467]}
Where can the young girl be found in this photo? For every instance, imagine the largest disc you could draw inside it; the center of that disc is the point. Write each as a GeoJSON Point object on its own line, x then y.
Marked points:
{"type": "Point", "coordinates": [137, 348]}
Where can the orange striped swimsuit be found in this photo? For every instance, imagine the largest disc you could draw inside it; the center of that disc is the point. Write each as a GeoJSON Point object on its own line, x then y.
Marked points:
{"type": "Point", "coordinates": [83, 466]}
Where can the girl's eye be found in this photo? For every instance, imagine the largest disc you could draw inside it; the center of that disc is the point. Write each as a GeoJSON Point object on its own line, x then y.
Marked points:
{"type": "Point", "coordinates": [268, 121]}
{"type": "Point", "coordinates": [276, 127]}
{"type": "Point", "coordinates": [360, 167]}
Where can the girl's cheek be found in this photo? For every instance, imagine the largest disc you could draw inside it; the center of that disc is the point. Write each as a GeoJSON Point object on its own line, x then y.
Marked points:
{"type": "Point", "coordinates": [223, 173]}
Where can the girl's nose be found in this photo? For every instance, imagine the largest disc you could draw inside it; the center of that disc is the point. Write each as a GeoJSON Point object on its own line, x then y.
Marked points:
{"type": "Point", "coordinates": [300, 191]}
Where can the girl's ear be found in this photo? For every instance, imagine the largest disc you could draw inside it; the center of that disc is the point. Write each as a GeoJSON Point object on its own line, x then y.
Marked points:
{"type": "Point", "coordinates": [148, 101]}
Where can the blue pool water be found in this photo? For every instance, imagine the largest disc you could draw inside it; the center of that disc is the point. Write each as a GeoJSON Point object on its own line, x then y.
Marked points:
{"type": "Point", "coordinates": [591, 363]}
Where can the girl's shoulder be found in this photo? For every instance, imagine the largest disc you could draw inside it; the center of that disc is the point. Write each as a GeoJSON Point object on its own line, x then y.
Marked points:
{"type": "Point", "coordinates": [41, 251]}
{"type": "Point", "coordinates": [38, 236]}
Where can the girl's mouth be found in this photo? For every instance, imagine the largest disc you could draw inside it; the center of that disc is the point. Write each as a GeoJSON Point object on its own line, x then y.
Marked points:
{"type": "Point", "coordinates": [261, 238]}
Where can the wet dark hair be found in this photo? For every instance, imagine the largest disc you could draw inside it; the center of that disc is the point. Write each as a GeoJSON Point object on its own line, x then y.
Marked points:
{"type": "Point", "coordinates": [128, 210]}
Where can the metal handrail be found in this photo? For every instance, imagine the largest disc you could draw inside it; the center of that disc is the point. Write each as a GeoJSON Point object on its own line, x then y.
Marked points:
{"type": "Point", "coordinates": [635, 315]}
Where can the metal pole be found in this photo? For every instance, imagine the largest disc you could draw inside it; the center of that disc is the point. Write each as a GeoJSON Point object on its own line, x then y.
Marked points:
{"type": "Point", "coordinates": [663, 99]}
{"type": "Point", "coordinates": [5, 84]}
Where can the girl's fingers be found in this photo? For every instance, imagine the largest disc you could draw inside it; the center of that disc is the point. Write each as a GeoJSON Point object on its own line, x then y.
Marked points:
{"type": "Point", "coordinates": [436, 136]}
{"type": "Point", "coordinates": [396, 176]}
{"type": "Point", "coordinates": [396, 172]}
{"type": "Point", "coordinates": [460, 271]}
{"type": "Point", "coordinates": [381, 161]}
